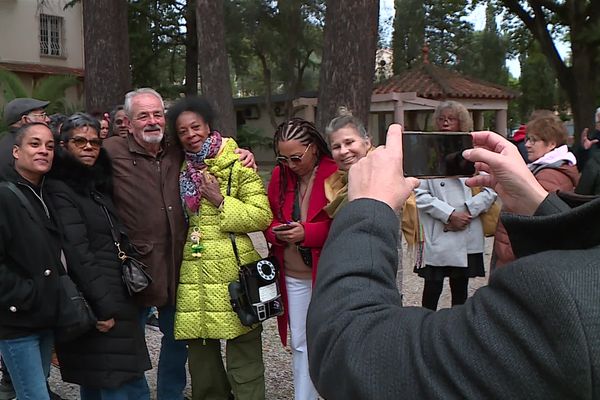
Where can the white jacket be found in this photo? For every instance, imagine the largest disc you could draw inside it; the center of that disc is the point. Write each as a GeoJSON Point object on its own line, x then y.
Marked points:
{"type": "Point", "coordinates": [436, 200]}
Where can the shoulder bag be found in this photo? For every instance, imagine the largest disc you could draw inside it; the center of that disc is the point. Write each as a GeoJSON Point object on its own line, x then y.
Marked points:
{"type": "Point", "coordinates": [255, 296]}
{"type": "Point", "coordinates": [75, 316]}
{"type": "Point", "coordinates": [135, 276]}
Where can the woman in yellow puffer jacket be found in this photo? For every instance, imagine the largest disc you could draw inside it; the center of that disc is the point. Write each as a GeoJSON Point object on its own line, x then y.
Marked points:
{"type": "Point", "coordinates": [203, 311]}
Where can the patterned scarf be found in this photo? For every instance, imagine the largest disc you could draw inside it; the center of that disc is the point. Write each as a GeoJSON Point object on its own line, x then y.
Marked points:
{"type": "Point", "coordinates": [190, 178]}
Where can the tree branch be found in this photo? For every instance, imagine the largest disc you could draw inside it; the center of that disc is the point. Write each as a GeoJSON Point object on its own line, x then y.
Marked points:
{"type": "Point", "coordinates": [538, 27]}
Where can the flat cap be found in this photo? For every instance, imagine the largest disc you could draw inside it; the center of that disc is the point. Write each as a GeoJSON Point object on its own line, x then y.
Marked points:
{"type": "Point", "coordinates": [15, 109]}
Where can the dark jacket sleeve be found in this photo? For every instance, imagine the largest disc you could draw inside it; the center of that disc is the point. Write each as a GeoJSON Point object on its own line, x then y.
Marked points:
{"type": "Point", "coordinates": [362, 344]}
{"type": "Point", "coordinates": [14, 288]}
{"type": "Point", "coordinates": [88, 278]}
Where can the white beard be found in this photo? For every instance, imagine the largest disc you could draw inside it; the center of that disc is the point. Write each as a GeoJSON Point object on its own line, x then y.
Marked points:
{"type": "Point", "coordinates": [152, 138]}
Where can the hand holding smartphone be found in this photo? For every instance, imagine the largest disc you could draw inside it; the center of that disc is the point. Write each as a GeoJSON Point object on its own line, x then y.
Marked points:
{"type": "Point", "coordinates": [436, 154]}
{"type": "Point", "coordinates": [282, 227]}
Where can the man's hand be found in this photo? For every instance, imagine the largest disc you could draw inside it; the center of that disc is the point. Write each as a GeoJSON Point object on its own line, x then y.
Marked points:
{"type": "Point", "coordinates": [586, 143]}
{"type": "Point", "coordinates": [380, 175]}
{"type": "Point", "coordinates": [246, 158]}
{"type": "Point", "coordinates": [508, 175]}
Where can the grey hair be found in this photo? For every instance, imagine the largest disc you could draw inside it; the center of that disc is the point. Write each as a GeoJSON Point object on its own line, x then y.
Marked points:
{"type": "Point", "coordinates": [129, 98]}
{"type": "Point", "coordinates": [345, 118]}
{"type": "Point", "coordinates": [464, 118]}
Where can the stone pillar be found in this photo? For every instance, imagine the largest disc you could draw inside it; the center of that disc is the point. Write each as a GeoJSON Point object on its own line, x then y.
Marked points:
{"type": "Point", "coordinates": [399, 112]}
{"type": "Point", "coordinates": [309, 113]}
{"type": "Point", "coordinates": [478, 120]}
{"type": "Point", "coordinates": [501, 122]}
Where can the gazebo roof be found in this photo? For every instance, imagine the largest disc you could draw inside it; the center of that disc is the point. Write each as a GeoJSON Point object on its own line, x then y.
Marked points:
{"type": "Point", "coordinates": [437, 83]}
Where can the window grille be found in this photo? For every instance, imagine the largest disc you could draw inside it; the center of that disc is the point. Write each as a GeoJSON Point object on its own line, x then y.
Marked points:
{"type": "Point", "coordinates": [51, 35]}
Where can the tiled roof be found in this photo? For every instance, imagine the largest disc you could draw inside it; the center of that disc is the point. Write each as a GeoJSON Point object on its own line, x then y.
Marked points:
{"type": "Point", "coordinates": [41, 69]}
{"type": "Point", "coordinates": [433, 82]}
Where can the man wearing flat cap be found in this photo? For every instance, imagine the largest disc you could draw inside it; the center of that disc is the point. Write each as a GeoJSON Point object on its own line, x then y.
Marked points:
{"type": "Point", "coordinates": [19, 112]}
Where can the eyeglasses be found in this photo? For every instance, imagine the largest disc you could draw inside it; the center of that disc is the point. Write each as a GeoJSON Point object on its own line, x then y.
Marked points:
{"type": "Point", "coordinates": [294, 159]}
{"type": "Point", "coordinates": [531, 139]}
{"type": "Point", "coordinates": [81, 142]}
{"type": "Point", "coordinates": [450, 120]}
{"type": "Point", "coordinates": [40, 115]}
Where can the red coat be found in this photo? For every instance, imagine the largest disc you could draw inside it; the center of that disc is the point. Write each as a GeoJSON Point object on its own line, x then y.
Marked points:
{"type": "Point", "coordinates": [316, 226]}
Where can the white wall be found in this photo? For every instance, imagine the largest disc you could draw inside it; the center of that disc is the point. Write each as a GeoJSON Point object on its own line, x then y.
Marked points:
{"type": "Point", "coordinates": [20, 32]}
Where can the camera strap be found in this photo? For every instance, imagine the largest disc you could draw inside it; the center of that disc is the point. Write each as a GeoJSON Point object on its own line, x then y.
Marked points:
{"type": "Point", "coordinates": [231, 234]}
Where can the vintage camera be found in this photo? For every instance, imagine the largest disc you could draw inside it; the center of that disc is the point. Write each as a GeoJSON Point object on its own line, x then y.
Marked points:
{"type": "Point", "coordinates": [256, 296]}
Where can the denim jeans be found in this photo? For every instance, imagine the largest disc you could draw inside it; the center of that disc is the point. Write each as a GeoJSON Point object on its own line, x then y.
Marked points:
{"type": "Point", "coordinates": [28, 361]}
{"type": "Point", "coordinates": [171, 376]}
{"type": "Point", "coordinates": [134, 390]}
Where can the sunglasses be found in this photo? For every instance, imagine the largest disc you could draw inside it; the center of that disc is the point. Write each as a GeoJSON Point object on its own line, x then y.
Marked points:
{"type": "Point", "coordinates": [81, 142]}
{"type": "Point", "coordinates": [293, 159]}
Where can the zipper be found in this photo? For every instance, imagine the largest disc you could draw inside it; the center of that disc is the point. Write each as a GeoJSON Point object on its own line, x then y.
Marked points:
{"type": "Point", "coordinates": [40, 197]}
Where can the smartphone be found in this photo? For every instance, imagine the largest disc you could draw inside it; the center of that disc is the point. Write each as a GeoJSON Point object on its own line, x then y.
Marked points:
{"type": "Point", "coordinates": [281, 228]}
{"type": "Point", "coordinates": [436, 154]}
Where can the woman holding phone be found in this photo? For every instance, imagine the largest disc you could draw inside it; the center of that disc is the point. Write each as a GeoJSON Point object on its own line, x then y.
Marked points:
{"type": "Point", "coordinates": [298, 231]}
{"type": "Point", "coordinates": [449, 215]}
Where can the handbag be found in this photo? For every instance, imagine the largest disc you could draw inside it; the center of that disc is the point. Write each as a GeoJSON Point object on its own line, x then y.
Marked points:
{"type": "Point", "coordinates": [135, 276]}
{"type": "Point", "coordinates": [255, 296]}
{"type": "Point", "coordinates": [489, 218]}
{"type": "Point", "coordinates": [75, 316]}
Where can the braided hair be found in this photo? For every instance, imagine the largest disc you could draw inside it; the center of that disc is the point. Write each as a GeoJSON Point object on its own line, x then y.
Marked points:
{"type": "Point", "coordinates": [306, 133]}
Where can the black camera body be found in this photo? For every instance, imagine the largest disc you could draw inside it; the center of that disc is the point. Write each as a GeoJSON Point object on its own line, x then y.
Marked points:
{"type": "Point", "coordinates": [256, 296]}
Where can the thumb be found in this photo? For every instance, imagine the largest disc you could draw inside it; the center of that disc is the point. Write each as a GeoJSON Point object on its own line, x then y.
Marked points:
{"type": "Point", "coordinates": [413, 182]}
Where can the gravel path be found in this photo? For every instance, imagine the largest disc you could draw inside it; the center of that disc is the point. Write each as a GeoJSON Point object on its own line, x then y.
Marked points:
{"type": "Point", "coordinates": [277, 358]}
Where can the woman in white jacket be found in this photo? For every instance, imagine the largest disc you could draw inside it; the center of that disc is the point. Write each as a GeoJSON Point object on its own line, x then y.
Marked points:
{"type": "Point", "coordinates": [449, 215]}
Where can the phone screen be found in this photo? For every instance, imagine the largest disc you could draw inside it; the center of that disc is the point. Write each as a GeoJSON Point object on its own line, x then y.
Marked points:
{"type": "Point", "coordinates": [436, 154]}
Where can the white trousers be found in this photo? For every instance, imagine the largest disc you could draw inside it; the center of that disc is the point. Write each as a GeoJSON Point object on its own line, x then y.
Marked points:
{"type": "Point", "coordinates": [299, 292]}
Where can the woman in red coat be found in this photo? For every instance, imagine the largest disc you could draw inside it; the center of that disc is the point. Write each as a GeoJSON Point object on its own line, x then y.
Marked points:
{"type": "Point", "coordinates": [298, 231]}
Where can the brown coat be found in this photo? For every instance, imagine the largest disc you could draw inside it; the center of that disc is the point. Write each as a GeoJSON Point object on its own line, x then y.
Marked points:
{"type": "Point", "coordinates": [562, 179]}
{"type": "Point", "coordinates": [146, 195]}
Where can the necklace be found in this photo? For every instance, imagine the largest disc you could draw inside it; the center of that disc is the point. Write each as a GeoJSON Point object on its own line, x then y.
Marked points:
{"type": "Point", "coordinates": [307, 185]}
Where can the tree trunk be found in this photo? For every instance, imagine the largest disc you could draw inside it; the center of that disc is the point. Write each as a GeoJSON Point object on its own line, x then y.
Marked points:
{"type": "Point", "coordinates": [348, 65]}
{"type": "Point", "coordinates": [214, 65]}
{"type": "Point", "coordinates": [106, 51]}
{"type": "Point", "coordinates": [191, 50]}
{"type": "Point", "coordinates": [579, 80]}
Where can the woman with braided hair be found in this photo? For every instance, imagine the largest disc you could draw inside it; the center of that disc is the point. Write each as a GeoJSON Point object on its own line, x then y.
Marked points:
{"type": "Point", "coordinates": [298, 231]}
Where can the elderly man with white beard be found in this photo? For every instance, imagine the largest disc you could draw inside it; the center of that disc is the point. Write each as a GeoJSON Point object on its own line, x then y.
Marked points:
{"type": "Point", "coordinates": [146, 167]}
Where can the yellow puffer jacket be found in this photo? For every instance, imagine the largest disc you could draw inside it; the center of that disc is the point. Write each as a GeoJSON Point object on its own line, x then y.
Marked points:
{"type": "Point", "coordinates": [203, 309]}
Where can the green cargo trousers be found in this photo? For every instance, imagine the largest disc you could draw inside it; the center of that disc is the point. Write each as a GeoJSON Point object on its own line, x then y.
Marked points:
{"type": "Point", "coordinates": [245, 375]}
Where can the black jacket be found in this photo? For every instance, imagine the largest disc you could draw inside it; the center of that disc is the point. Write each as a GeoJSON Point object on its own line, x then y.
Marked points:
{"type": "Point", "coordinates": [7, 142]}
{"type": "Point", "coordinates": [29, 262]}
{"type": "Point", "coordinates": [99, 360]}
{"type": "Point", "coordinates": [533, 333]}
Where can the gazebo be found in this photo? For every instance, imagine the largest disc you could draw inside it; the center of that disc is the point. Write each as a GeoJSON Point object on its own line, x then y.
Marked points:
{"type": "Point", "coordinates": [410, 97]}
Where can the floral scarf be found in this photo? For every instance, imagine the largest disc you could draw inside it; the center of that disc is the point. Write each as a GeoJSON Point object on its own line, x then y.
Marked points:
{"type": "Point", "coordinates": [191, 178]}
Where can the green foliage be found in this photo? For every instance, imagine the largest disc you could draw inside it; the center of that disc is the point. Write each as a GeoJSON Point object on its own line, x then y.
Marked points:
{"type": "Point", "coordinates": [12, 86]}
{"type": "Point", "coordinates": [485, 55]}
{"type": "Point", "coordinates": [250, 138]}
{"type": "Point", "coordinates": [409, 33]}
{"type": "Point", "coordinates": [274, 45]}
{"type": "Point", "coordinates": [51, 88]}
{"type": "Point", "coordinates": [157, 44]}
{"type": "Point", "coordinates": [447, 31]}
{"type": "Point", "coordinates": [538, 82]}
